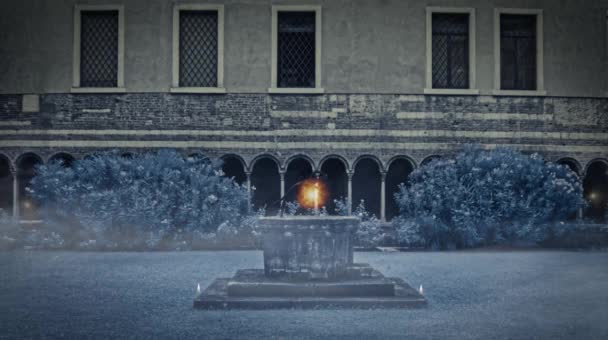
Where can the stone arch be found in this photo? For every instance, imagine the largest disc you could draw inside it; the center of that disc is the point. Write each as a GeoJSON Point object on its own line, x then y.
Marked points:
{"type": "Point", "coordinates": [233, 166]}
{"type": "Point", "coordinates": [571, 163]}
{"type": "Point", "coordinates": [367, 183]}
{"type": "Point", "coordinates": [259, 157]}
{"type": "Point", "coordinates": [398, 170]}
{"type": "Point", "coordinates": [595, 188]}
{"type": "Point", "coordinates": [265, 184]}
{"type": "Point", "coordinates": [333, 170]}
{"type": "Point", "coordinates": [429, 159]}
{"type": "Point", "coordinates": [198, 156]}
{"type": "Point", "coordinates": [66, 159]}
{"type": "Point", "coordinates": [593, 162]}
{"type": "Point", "coordinates": [6, 184]}
{"type": "Point", "coordinates": [26, 170]}
{"type": "Point", "coordinates": [334, 156]}
{"type": "Point", "coordinates": [299, 156]}
{"type": "Point", "coordinates": [297, 169]}
{"type": "Point", "coordinates": [367, 156]}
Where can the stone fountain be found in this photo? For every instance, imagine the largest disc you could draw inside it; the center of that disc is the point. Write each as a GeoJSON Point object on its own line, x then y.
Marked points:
{"type": "Point", "coordinates": [308, 263]}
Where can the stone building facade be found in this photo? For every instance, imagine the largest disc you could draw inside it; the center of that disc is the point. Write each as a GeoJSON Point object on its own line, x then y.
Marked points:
{"type": "Point", "coordinates": [362, 92]}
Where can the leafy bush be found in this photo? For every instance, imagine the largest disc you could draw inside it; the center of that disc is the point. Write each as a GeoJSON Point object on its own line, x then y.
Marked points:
{"type": "Point", "coordinates": [370, 233]}
{"type": "Point", "coordinates": [483, 197]}
{"type": "Point", "coordinates": [139, 202]}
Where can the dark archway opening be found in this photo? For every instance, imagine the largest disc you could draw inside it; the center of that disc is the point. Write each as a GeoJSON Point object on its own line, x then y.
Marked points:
{"type": "Point", "coordinates": [397, 173]}
{"type": "Point", "coordinates": [266, 186]}
{"type": "Point", "coordinates": [429, 159]}
{"type": "Point", "coordinates": [6, 185]}
{"type": "Point", "coordinates": [570, 164]}
{"type": "Point", "coordinates": [65, 159]}
{"type": "Point", "coordinates": [234, 168]}
{"type": "Point", "coordinates": [595, 187]}
{"type": "Point", "coordinates": [366, 185]}
{"type": "Point", "coordinates": [297, 170]}
{"type": "Point", "coordinates": [333, 172]}
{"type": "Point", "coordinates": [26, 170]}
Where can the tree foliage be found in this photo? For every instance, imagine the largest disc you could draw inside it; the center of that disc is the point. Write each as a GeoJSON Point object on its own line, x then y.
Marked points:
{"type": "Point", "coordinates": [149, 197]}
{"type": "Point", "coordinates": [485, 197]}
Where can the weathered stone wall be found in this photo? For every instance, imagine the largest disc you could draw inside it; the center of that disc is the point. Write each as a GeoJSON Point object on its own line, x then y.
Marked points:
{"type": "Point", "coordinates": [369, 46]}
{"type": "Point", "coordinates": [385, 126]}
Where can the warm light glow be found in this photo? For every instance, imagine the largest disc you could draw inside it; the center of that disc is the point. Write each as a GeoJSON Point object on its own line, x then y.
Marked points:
{"type": "Point", "coordinates": [311, 194]}
{"type": "Point", "coordinates": [592, 196]}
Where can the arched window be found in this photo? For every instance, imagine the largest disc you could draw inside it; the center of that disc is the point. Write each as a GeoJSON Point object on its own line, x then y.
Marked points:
{"type": "Point", "coordinates": [6, 185]}
{"type": "Point", "coordinates": [572, 164]}
{"type": "Point", "coordinates": [333, 173]}
{"type": "Point", "coordinates": [266, 185]}
{"type": "Point", "coordinates": [595, 187]}
{"type": "Point", "coordinates": [398, 172]}
{"type": "Point", "coordinates": [234, 167]}
{"type": "Point", "coordinates": [298, 169]}
{"type": "Point", "coordinates": [367, 185]}
{"type": "Point", "coordinates": [65, 159]}
{"type": "Point", "coordinates": [26, 170]}
{"type": "Point", "coordinates": [429, 159]}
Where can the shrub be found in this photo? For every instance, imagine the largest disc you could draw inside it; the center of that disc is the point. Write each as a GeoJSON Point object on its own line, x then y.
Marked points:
{"type": "Point", "coordinates": [137, 202]}
{"type": "Point", "coordinates": [483, 197]}
{"type": "Point", "coordinates": [370, 233]}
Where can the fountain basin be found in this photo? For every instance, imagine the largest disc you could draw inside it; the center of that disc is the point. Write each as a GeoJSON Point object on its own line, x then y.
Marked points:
{"type": "Point", "coordinates": [307, 247]}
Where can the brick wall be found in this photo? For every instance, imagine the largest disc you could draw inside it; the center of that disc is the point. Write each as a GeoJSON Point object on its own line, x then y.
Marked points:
{"type": "Point", "coordinates": [352, 125]}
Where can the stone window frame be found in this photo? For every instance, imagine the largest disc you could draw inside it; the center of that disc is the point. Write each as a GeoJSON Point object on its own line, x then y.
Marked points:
{"type": "Point", "coordinates": [175, 88]}
{"type": "Point", "coordinates": [540, 80]}
{"type": "Point", "coordinates": [274, 49]}
{"type": "Point", "coordinates": [120, 86]}
{"type": "Point", "coordinates": [472, 90]}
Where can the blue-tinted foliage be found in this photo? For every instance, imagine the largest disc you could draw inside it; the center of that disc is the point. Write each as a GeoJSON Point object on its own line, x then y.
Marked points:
{"type": "Point", "coordinates": [148, 197]}
{"type": "Point", "coordinates": [486, 197]}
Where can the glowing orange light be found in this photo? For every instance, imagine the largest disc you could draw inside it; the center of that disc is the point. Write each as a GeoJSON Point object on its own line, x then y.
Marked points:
{"type": "Point", "coordinates": [311, 194]}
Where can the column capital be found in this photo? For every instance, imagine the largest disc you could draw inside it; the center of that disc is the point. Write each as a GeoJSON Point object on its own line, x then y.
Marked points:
{"type": "Point", "coordinates": [383, 175]}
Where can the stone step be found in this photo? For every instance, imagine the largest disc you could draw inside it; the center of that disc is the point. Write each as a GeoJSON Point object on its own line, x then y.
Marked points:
{"type": "Point", "coordinates": [253, 283]}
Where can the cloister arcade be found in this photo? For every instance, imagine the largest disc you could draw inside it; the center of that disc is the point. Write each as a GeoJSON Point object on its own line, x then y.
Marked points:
{"type": "Point", "coordinates": [268, 179]}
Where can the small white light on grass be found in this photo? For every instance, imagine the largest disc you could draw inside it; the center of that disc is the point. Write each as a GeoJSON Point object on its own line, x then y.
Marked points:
{"type": "Point", "coordinates": [421, 290]}
{"type": "Point", "coordinates": [198, 288]}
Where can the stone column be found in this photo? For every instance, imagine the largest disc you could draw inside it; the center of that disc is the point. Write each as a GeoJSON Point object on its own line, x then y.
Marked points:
{"type": "Point", "coordinates": [383, 196]}
{"type": "Point", "coordinates": [248, 174]}
{"type": "Point", "coordinates": [15, 194]}
{"type": "Point", "coordinates": [282, 174]}
{"type": "Point", "coordinates": [350, 174]}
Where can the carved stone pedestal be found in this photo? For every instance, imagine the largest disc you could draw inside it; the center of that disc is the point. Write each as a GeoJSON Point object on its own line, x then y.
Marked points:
{"type": "Point", "coordinates": [308, 263]}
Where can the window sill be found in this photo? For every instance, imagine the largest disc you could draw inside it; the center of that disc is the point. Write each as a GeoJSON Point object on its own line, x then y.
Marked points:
{"type": "Point", "coordinates": [519, 93]}
{"type": "Point", "coordinates": [464, 92]}
{"type": "Point", "coordinates": [98, 90]}
{"type": "Point", "coordinates": [218, 90]}
{"type": "Point", "coordinates": [296, 90]}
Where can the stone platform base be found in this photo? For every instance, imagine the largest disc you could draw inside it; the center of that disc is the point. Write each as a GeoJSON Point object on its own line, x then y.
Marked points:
{"type": "Point", "coordinates": [250, 289]}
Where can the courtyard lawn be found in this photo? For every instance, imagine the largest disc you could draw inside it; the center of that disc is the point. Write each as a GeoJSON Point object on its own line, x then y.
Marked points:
{"type": "Point", "coordinates": [472, 295]}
